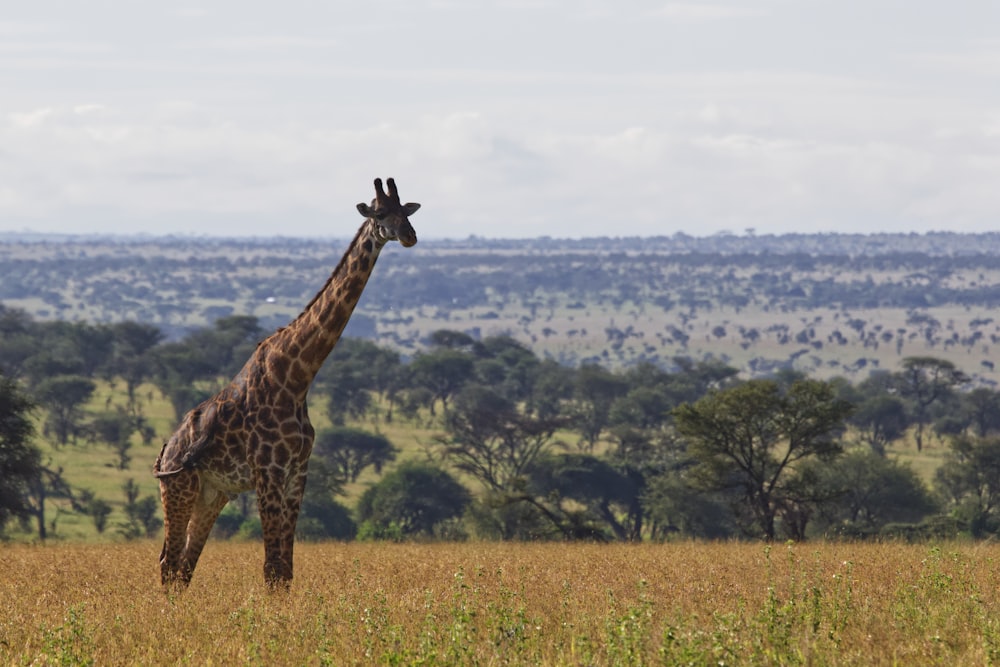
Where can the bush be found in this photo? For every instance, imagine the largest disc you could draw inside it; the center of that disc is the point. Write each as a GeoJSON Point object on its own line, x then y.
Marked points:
{"type": "Point", "coordinates": [325, 520]}
{"type": "Point", "coordinates": [414, 499]}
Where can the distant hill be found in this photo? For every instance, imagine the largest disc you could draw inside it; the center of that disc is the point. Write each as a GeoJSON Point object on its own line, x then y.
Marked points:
{"type": "Point", "coordinates": [822, 303]}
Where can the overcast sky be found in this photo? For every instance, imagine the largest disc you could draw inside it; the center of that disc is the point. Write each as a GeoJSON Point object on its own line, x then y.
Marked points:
{"type": "Point", "coordinates": [511, 118]}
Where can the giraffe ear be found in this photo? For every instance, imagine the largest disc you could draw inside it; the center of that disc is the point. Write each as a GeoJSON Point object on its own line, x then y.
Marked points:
{"type": "Point", "coordinates": [366, 210]}
{"type": "Point", "coordinates": [410, 208]}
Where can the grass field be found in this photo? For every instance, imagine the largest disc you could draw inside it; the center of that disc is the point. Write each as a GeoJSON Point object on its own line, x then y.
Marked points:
{"type": "Point", "coordinates": [493, 604]}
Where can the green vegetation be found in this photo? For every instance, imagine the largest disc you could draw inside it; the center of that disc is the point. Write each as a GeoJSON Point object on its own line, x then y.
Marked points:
{"type": "Point", "coordinates": [481, 438]}
{"type": "Point", "coordinates": [612, 389]}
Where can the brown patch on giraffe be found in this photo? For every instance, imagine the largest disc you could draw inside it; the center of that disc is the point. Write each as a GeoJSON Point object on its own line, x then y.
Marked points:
{"type": "Point", "coordinates": [281, 456]}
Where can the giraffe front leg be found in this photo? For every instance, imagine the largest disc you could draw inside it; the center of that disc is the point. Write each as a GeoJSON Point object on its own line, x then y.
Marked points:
{"type": "Point", "coordinates": [278, 507]}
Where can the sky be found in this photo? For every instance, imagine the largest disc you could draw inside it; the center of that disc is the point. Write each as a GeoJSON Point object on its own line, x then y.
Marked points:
{"type": "Point", "coordinates": [504, 119]}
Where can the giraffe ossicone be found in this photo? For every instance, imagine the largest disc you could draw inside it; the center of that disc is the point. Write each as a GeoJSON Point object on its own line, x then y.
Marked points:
{"type": "Point", "coordinates": [255, 433]}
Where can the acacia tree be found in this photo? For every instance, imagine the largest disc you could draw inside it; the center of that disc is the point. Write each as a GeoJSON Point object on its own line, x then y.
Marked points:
{"type": "Point", "coordinates": [491, 440]}
{"type": "Point", "coordinates": [64, 396]}
{"type": "Point", "coordinates": [49, 483]}
{"type": "Point", "coordinates": [356, 370]}
{"type": "Point", "coordinates": [494, 441]}
{"type": "Point", "coordinates": [443, 372]}
{"type": "Point", "coordinates": [133, 342]}
{"type": "Point", "coordinates": [880, 420]}
{"type": "Point", "coordinates": [595, 390]}
{"type": "Point", "coordinates": [351, 450]}
{"type": "Point", "coordinates": [925, 381]}
{"type": "Point", "coordinates": [748, 438]}
{"type": "Point", "coordinates": [584, 495]}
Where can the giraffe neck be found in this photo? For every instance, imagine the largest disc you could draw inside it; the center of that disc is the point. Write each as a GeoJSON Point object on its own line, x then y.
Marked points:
{"type": "Point", "coordinates": [309, 339]}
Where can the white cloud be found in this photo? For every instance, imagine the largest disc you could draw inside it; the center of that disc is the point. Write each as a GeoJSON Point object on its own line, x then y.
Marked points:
{"type": "Point", "coordinates": [981, 59]}
{"type": "Point", "coordinates": [83, 109]}
{"type": "Point", "coordinates": [263, 42]}
{"type": "Point", "coordinates": [27, 119]}
{"type": "Point", "coordinates": [278, 121]}
{"type": "Point", "coordinates": [10, 29]}
{"type": "Point", "coordinates": [191, 12]}
{"type": "Point", "coordinates": [697, 12]}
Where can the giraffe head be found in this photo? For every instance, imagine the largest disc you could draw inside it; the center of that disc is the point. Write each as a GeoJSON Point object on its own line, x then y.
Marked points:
{"type": "Point", "coordinates": [391, 218]}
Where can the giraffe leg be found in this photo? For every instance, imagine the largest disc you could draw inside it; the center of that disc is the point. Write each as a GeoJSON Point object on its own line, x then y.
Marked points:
{"type": "Point", "coordinates": [278, 506]}
{"type": "Point", "coordinates": [178, 493]}
{"type": "Point", "coordinates": [206, 510]}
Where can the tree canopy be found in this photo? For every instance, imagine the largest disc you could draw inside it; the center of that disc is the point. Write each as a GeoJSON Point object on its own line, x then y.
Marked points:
{"type": "Point", "coordinates": [20, 461]}
{"type": "Point", "coordinates": [748, 437]}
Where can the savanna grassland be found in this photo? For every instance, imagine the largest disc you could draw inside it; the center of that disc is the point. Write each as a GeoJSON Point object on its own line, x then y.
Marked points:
{"type": "Point", "coordinates": [518, 604]}
{"type": "Point", "coordinates": [824, 306]}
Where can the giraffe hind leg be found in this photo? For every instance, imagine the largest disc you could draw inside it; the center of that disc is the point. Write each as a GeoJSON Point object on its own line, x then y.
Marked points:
{"type": "Point", "coordinates": [178, 493]}
{"type": "Point", "coordinates": [206, 510]}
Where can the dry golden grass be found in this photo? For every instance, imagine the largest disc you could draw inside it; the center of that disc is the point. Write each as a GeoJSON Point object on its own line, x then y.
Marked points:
{"type": "Point", "coordinates": [556, 604]}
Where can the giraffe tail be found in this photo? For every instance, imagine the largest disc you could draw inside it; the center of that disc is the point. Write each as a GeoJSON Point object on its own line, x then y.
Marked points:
{"type": "Point", "coordinates": [188, 443]}
{"type": "Point", "coordinates": [159, 460]}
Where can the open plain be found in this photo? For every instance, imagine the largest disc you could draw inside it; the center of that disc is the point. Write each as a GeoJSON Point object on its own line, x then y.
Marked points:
{"type": "Point", "coordinates": [684, 603]}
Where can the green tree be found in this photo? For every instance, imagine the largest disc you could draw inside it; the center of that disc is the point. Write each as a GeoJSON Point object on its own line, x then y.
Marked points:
{"type": "Point", "coordinates": [115, 429]}
{"type": "Point", "coordinates": [178, 366]}
{"type": "Point", "coordinates": [20, 461]}
{"type": "Point", "coordinates": [413, 500]}
{"type": "Point", "coordinates": [95, 344]}
{"type": "Point", "coordinates": [674, 507]}
{"type": "Point", "coordinates": [969, 478]}
{"type": "Point", "coordinates": [981, 410]}
{"type": "Point", "coordinates": [749, 437]}
{"type": "Point", "coordinates": [132, 358]}
{"type": "Point", "coordinates": [553, 386]}
{"type": "Point", "coordinates": [880, 420]}
{"type": "Point", "coordinates": [925, 381]}
{"type": "Point", "coordinates": [98, 509]}
{"type": "Point", "coordinates": [49, 483]}
{"type": "Point", "coordinates": [63, 396]}
{"type": "Point", "coordinates": [322, 516]}
{"type": "Point", "coordinates": [492, 440]}
{"type": "Point", "coordinates": [140, 513]}
{"type": "Point", "coordinates": [19, 340]}
{"type": "Point", "coordinates": [506, 365]}
{"type": "Point", "coordinates": [577, 490]}
{"type": "Point", "coordinates": [189, 371]}
{"type": "Point", "coordinates": [868, 491]}
{"type": "Point", "coordinates": [691, 380]}
{"type": "Point", "coordinates": [452, 340]}
{"type": "Point", "coordinates": [443, 372]}
{"type": "Point", "coordinates": [355, 371]}
{"type": "Point", "coordinates": [350, 451]}
{"type": "Point", "coordinates": [594, 392]}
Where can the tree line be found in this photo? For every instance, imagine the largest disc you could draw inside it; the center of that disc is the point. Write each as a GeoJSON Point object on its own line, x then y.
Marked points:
{"type": "Point", "coordinates": [179, 283]}
{"type": "Point", "coordinates": [525, 448]}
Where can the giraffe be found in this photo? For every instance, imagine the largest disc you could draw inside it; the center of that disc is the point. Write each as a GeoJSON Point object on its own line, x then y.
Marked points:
{"type": "Point", "coordinates": [255, 433]}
